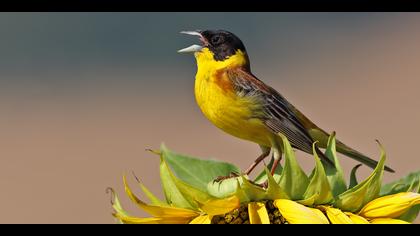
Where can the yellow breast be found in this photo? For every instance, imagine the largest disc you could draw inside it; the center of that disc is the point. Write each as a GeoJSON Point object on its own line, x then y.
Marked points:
{"type": "Point", "coordinates": [218, 101]}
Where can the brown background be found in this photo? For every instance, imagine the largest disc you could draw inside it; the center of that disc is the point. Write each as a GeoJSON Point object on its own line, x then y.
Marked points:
{"type": "Point", "coordinates": [82, 95]}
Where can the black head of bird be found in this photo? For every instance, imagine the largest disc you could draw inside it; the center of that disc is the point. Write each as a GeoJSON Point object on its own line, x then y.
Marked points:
{"type": "Point", "coordinates": [221, 43]}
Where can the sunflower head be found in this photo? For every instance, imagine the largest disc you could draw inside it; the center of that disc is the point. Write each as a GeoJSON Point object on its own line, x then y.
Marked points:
{"type": "Point", "coordinates": [291, 196]}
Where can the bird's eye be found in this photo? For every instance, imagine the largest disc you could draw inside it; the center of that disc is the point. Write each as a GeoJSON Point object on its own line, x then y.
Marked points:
{"type": "Point", "coordinates": [216, 39]}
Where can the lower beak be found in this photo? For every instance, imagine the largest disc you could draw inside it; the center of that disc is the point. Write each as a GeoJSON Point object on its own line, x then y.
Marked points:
{"type": "Point", "coordinates": [192, 48]}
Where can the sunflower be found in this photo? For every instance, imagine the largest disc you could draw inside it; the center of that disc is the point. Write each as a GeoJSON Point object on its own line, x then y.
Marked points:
{"type": "Point", "coordinates": [290, 196]}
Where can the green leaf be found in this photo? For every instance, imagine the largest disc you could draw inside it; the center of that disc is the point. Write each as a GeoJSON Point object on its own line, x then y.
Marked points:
{"type": "Point", "coordinates": [414, 186]}
{"type": "Point", "coordinates": [246, 190]}
{"type": "Point", "coordinates": [262, 177]}
{"type": "Point", "coordinates": [239, 186]}
{"type": "Point", "coordinates": [353, 177]}
{"type": "Point", "coordinates": [192, 195]}
{"type": "Point", "coordinates": [310, 201]}
{"type": "Point", "coordinates": [293, 179]}
{"type": "Point", "coordinates": [274, 191]}
{"type": "Point", "coordinates": [240, 193]}
{"type": "Point", "coordinates": [196, 172]}
{"type": "Point", "coordinates": [355, 198]}
{"type": "Point", "coordinates": [318, 186]}
{"type": "Point", "coordinates": [376, 181]}
{"type": "Point", "coordinates": [116, 204]}
{"type": "Point", "coordinates": [335, 175]}
{"type": "Point", "coordinates": [401, 185]}
{"type": "Point", "coordinates": [223, 188]}
{"type": "Point", "coordinates": [352, 199]}
{"type": "Point", "coordinates": [252, 191]}
{"type": "Point", "coordinates": [172, 194]}
{"type": "Point", "coordinates": [153, 199]}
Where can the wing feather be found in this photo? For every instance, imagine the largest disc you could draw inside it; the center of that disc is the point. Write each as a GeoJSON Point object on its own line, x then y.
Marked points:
{"type": "Point", "coordinates": [277, 112]}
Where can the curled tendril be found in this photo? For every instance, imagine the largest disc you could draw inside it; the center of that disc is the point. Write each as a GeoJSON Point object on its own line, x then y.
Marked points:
{"type": "Point", "coordinates": [111, 191]}
{"type": "Point", "coordinates": [157, 152]}
{"type": "Point", "coordinates": [134, 174]}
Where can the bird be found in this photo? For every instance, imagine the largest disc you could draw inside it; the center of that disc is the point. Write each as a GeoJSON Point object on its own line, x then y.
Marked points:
{"type": "Point", "coordinates": [237, 102]}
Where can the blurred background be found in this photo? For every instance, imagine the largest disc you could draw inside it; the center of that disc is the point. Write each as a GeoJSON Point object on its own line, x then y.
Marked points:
{"type": "Point", "coordinates": [82, 95]}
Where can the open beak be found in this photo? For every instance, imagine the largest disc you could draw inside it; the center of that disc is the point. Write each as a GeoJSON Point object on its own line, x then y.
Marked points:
{"type": "Point", "coordinates": [194, 48]}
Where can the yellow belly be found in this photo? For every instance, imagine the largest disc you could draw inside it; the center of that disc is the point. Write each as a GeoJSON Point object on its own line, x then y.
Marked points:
{"type": "Point", "coordinates": [228, 112]}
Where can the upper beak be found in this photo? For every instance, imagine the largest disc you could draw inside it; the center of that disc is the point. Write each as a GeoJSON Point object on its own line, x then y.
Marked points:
{"type": "Point", "coordinates": [197, 33]}
{"type": "Point", "coordinates": [193, 48]}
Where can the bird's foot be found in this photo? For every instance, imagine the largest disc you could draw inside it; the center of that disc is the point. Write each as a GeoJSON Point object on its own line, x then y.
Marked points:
{"type": "Point", "coordinates": [263, 185]}
{"type": "Point", "coordinates": [221, 178]}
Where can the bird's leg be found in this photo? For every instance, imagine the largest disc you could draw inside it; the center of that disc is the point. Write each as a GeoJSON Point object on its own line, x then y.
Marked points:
{"type": "Point", "coordinates": [277, 159]}
{"type": "Point", "coordinates": [266, 152]}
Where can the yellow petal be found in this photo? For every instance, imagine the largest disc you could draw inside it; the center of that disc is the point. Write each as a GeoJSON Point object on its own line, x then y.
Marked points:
{"type": "Point", "coordinates": [202, 220]}
{"type": "Point", "coordinates": [319, 213]}
{"type": "Point", "coordinates": [387, 221]}
{"type": "Point", "coordinates": [296, 213]}
{"type": "Point", "coordinates": [391, 206]}
{"type": "Point", "coordinates": [160, 211]}
{"type": "Point", "coordinates": [356, 218]}
{"type": "Point", "coordinates": [134, 220]}
{"type": "Point", "coordinates": [336, 216]}
{"type": "Point", "coordinates": [221, 206]}
{"type": "Point", "coordinates": [258, 213]}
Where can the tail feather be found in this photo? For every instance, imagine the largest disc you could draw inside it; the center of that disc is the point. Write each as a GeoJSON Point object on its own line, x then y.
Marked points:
{"type": "Point", "coordinates": [320, 135]}
{"type": "Point", "coordinates": [344, 149]}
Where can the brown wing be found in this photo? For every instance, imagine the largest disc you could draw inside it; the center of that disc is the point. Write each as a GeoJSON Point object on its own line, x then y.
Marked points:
{"type": "Point", "coordinates": [277, 112]}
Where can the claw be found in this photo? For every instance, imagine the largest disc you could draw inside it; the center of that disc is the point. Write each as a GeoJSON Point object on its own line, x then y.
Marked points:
{"type": "Point", "coordinates": [221, 178]}
{"type": "Point", "coordinates": [264, 185]}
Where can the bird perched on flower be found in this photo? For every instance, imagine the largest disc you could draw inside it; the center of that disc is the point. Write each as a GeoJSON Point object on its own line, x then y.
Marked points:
{"type": "Point", "coordinates": [237, 102]}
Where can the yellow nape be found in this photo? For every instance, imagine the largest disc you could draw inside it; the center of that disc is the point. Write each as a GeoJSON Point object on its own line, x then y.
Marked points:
{"type": "Point", "coordinates": [219, 102]}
